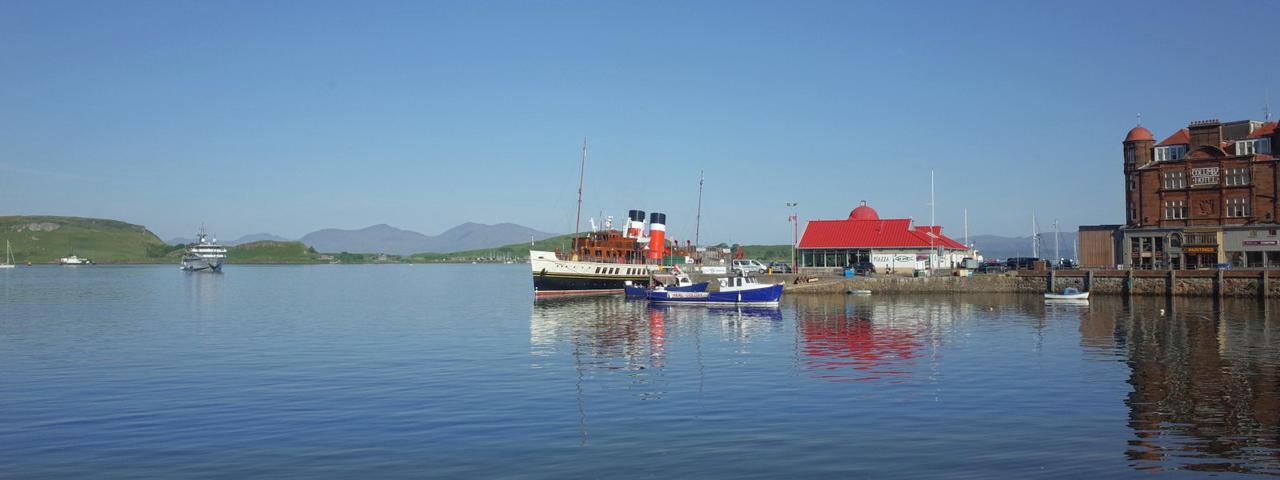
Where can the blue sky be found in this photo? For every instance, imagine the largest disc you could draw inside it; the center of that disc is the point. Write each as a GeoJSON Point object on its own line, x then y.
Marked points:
{"type": "Point", "coordinates": [287, 117]}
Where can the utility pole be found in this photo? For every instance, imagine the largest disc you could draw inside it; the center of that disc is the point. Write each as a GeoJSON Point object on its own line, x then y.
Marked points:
{"type": "Point", "coordinates": [933, 253]}
{"type": "Point", "coordinates": [795, 235]}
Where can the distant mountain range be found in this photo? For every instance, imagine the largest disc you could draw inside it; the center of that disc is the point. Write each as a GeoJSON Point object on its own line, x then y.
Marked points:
{"type": "Point", "coordinates": [384, 238]}
{"type": "Point", "coordinates": [997, 247]}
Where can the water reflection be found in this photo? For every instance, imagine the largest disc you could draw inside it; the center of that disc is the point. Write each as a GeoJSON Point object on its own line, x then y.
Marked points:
{"type": "Point", "coordinates": [847, 341]}
{"type": "Point", "coordinates": [1203, 376]}
{"type": "Point", "coordinates": [1206, 386]}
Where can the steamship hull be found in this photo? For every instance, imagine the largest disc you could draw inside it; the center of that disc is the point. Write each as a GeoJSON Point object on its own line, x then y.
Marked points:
{"type": "Point", "coordinates": [553, 277]}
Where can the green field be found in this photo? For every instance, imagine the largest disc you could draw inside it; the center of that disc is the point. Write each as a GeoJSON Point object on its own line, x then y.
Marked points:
{"type": "Point", "coordinates": [45, 239]}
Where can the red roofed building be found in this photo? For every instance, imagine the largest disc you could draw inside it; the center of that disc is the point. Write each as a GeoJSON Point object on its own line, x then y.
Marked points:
{"type": "Point", "coordinates": [890, 244]}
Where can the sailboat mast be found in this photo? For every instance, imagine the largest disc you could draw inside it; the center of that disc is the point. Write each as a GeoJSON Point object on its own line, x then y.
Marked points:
{"type": "Point", "coordinates": [1035, 237]}
{"type": "Point", "coordinates": [697, 227]}
{"type": "Point", "coordinates": [582, 167]}
{"type": "Point", "coordinates": [1056, 255]}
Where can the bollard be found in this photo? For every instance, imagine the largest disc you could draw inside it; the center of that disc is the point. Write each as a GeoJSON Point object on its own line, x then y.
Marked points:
{"type": "Point", "coordinates": [1218, 285]}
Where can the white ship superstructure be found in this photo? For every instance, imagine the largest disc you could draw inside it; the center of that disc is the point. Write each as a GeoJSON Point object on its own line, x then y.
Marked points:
{"type": "Point", "coordinates": [205, 255]}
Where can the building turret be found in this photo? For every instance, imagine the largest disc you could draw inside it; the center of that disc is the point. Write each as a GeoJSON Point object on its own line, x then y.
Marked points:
{"type": "Point", "coordinates": [1139, 147]}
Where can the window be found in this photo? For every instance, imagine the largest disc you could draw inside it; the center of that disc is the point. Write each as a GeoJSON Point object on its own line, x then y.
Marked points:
{"type": "Point", "coordinates": [1238, 176]}
{"type": "Point", "coordinates": [1133, 183]}
{"type": "Point", "coordinates": [1175, 240]}
{"type": "Point", "coordinates": [1175, 180]}
{"type": "Point", "coordinates": [1175, 210]}
{"type": "Point", "coordinates": [1170, 153]}
{"type": "Point", "coordinates": [1246, 147]}
{"type": "Point", "coordinates": [1133, 213]}
{"type": "Point", "coordinates": [1237, 207]}
{"type": "Point", "coordinates": [1264, 145]}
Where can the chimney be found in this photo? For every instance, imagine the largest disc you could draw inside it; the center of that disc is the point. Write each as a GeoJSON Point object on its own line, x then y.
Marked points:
{"type": "Point", "coordinates": [1205, 133]}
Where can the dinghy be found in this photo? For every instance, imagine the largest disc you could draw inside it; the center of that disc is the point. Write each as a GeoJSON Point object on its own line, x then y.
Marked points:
{"type": "Point", "coordinates": [1067, 294]}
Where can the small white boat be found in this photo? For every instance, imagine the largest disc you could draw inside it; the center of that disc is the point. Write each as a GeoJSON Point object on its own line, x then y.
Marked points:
{"type": "Point", "coordinates": [857, 291]}
{"type": "Point", "coordinates": [1068, 294]}
{"type": "Point", "coordinates": [74, 260]}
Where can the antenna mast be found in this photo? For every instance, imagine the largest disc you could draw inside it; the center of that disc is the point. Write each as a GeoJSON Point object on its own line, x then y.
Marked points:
{"type": "Point", "coordinates": [697, 228]}
{"type": "Point", "coordinates": [582, 167]}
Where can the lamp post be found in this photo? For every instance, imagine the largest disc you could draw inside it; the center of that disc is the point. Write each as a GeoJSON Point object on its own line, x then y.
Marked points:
{"type": "Point", "coordinates": [795, 235]}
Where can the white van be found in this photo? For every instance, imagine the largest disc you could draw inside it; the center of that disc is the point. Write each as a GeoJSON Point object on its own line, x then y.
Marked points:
{"type": "Point", "coordinates": [748, 266]}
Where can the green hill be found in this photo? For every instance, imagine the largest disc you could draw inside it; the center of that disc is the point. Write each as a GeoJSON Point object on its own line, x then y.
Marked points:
{"type": "Point", "coordinates": [513, 251]}
{"type": "Point", "coordinates": [271, 251]}
{"type": "Point", "coordinates": [45, 239]}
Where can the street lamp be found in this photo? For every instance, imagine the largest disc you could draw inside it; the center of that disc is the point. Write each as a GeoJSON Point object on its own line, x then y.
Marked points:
{"type": "Point", "coordinates": [795, 235]}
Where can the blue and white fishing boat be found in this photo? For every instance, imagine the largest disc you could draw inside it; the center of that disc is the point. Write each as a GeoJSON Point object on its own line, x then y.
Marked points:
{"type": "Point", "coordinates": [733, 291]}
{"type": "Point", "coordinates": [676, 281]}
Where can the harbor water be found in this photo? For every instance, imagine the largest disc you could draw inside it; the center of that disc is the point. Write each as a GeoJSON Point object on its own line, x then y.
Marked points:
{"type": "Point", "coordinates": [437, 371]}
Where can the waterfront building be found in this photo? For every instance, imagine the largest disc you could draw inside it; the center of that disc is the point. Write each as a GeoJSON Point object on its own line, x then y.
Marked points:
{"type": "Point", "coordinates": [892, 245]}
{"type": "Point", "coordinates": [1204, 196]}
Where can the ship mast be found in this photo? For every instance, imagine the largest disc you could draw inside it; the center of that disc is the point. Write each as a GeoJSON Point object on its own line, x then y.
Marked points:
{"type": "Point", "coordinates": [697, 227]}
{"type": "Point", "coordinates": [582, 167]}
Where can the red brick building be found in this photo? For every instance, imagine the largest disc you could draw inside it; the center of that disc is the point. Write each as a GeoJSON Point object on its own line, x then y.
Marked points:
{"type": "Point", "coordinates": [1205, 195]}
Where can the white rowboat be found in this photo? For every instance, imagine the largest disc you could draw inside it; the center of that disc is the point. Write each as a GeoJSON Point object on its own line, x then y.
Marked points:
{"type": "Point", "coordinates": [1067, 294]}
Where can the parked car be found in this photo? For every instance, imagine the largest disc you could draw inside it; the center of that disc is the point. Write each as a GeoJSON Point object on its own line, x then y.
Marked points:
{"type": "Point", "coordinates": [864, 268]}
{"type": "Point", "coordinates": [1024, 263]}
{"type": "Point", "coordinates": [1067, 264]}
{"type": "Point", "coordinates": [992, 266]}
{"type": "Point", "coordinates": [780, 267]}
{"type": "Point", "coordinates": [748, 266]}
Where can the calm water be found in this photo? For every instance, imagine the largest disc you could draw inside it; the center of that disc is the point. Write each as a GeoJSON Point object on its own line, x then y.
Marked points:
{"type": "Point", "coordinates": [412, 371]}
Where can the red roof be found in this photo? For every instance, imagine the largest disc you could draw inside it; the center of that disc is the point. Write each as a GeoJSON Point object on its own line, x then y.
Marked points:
{"type": "Point", "coordinates": [1180, 137]}
{"type": "Point", "coordinates": [1264, 130]}
{"type": "Point", "coordinates": [1139, 133]}
{"type": "Point", "coordinates": [892, 233]}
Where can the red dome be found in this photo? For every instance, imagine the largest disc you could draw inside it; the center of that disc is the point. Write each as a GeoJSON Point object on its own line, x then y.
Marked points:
{"type": "Point", "coordinates": [1139, 133]}
{"type": "Point", "coordinates": [863, 212]}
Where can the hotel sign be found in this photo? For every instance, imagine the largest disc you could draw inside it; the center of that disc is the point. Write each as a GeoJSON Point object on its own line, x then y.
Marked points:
{"type": "Point", "coordinates": [1259, 242]}
{"type": "Point", "coordinates": [1200, 250]}
{"type": "Point", "coordinates": [1204, 176]}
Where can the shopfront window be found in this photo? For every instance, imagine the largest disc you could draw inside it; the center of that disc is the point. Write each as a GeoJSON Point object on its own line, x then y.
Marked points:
{"type": "Point", "coordinates": [1255, 259]}
{"type": "Point", "coordinates": [1273, 259]}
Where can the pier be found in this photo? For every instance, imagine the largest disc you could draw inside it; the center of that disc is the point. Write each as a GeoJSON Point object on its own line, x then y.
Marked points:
{"type": "Point", "coordinates": [1169, 283]}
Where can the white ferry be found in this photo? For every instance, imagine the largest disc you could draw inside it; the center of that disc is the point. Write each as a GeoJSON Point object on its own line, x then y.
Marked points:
{"type": "Point", "coordinates": [205, 255]}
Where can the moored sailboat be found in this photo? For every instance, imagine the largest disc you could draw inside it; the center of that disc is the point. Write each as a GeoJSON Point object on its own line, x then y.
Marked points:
{"type": "Point", "coordinates": [8, 256]}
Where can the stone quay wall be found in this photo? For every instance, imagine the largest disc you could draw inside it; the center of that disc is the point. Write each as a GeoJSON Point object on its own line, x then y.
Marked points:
{"type": "Point", "coordinates": [1206, 283]}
